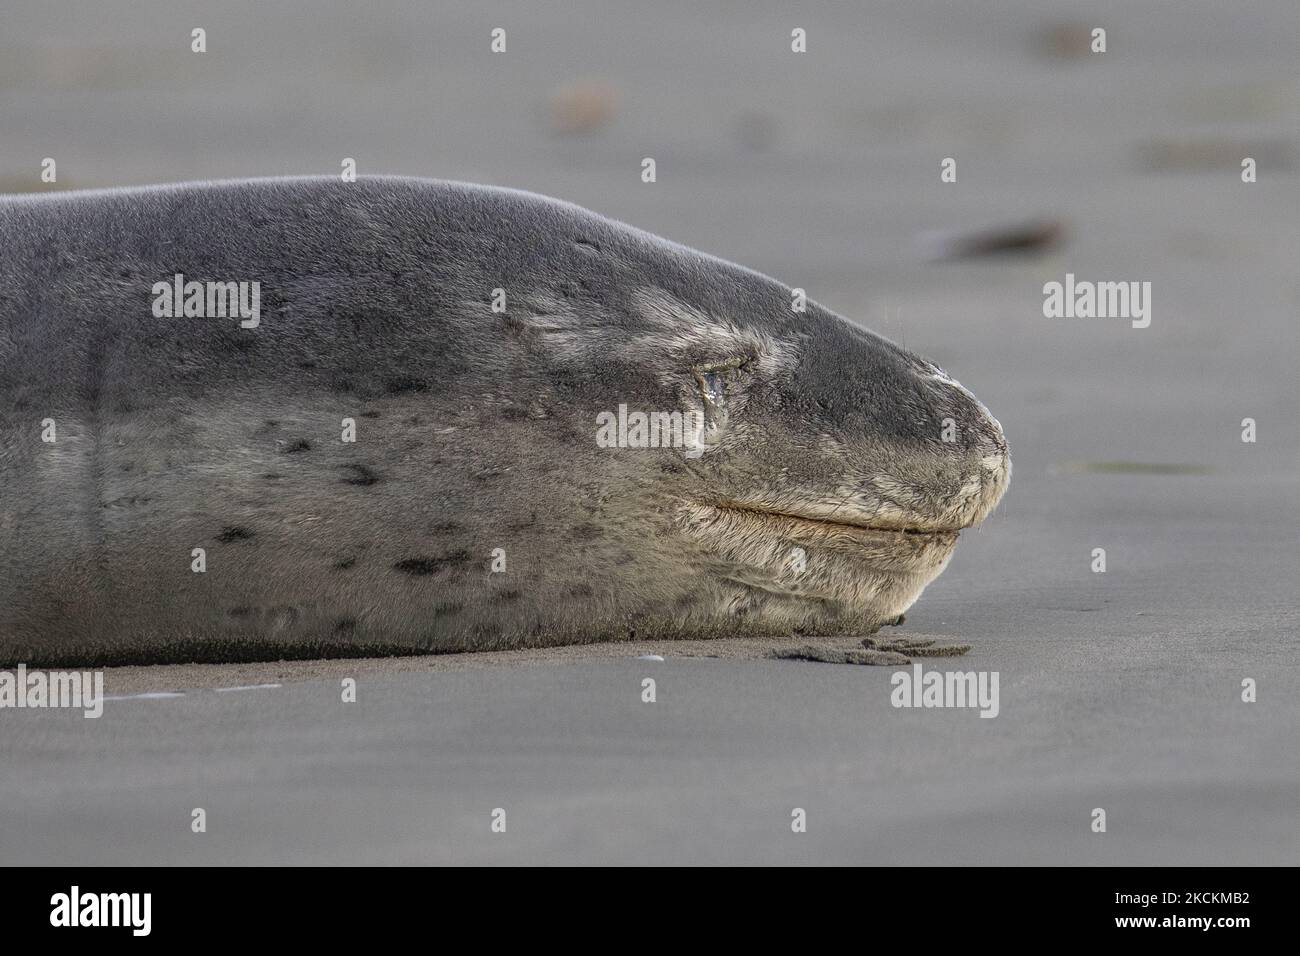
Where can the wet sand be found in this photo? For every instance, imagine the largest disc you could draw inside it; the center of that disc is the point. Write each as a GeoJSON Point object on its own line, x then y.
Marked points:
{"type": "Point", "coordinates": [165, 678]}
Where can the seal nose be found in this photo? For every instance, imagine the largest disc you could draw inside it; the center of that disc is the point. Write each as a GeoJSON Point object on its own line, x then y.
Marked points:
{"type": "Point", "coordinates": [979, 431]}
{"type": "Point", "coordinates": [994, 466]}
{"type": "Point", "coordinates": [994, 440]}
{"type": "Point", "coordinates": [995, 463]}
{"type": "Point", "coordinates": [982, 453]}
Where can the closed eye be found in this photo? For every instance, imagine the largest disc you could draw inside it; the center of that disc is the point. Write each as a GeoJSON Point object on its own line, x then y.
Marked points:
{"type": "Point", "coordinates": [715, 387]}
{"type": "Point", "coordinates": [715, 381]}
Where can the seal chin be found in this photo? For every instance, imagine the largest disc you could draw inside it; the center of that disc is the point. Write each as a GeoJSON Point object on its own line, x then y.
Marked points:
{"type": "Point", "coordinates": [800, 569]}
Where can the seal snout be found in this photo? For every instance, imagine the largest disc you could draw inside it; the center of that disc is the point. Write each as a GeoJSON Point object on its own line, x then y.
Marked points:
{"type": "Point", "coordinates": [974, 446]}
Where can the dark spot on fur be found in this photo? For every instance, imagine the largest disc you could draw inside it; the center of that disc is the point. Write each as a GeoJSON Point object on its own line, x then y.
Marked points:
{"type": "Point", "coordinates": [271, 476]}
{"type": "Point", "coordinates": [345, 564]}
{"type": "Point", "coordinates": [307, 363]}
{"type": "Point", "coordinates": [446, 609]}
{"type": "Point", "coordinates": [505, 596]}
{"type": "Point", "coordinates": [687, 600]}
{"type": "Point", "coordinates": [295, 447]}
{"type": "Point", "coordinates": [671, 467]}
{"type": "Point", "coordinates": [421, 567]}
{"type": "Point", "coordinates": [447, 527]}
{"type": "Point", "coordinates": [580, 590]}
{"type": "Point", "coordinates": [345, 626]}
{"type": "Point", "coordinates": [369, 414]}
{"type": "Point", "coordinates": [234, 533]}
{"type": "Point", "coordinates": [361, 475]}
{"type": "Point", "coordinates": [585, 532]}
{"type": "Point", "coordinates": [568, 379]}
{"type": "Point", "coordinates": [627, 557]}
{"type": "Point", "coordinates": [523, 525]}
{"type": "Point", "coordinates": [405, 383]}
{"type": "Point", "coordinates": [587, 245]}
{"type": "Point", "coordinates": [487, 474]}
{"type": "Point", "coordinates": [241, 611]}
{"type": "Point", "coordinates": [513, 413]}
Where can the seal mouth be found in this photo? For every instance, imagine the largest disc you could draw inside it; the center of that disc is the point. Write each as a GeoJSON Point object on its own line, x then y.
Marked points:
{"type": "Point", "coordinates": [814, 522]}
{"type": "Point", "coordinates": [786, 554]}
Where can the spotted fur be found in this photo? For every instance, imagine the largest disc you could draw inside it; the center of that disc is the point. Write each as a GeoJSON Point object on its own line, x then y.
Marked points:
{"type": "Point", "coordinates": [476, 433]}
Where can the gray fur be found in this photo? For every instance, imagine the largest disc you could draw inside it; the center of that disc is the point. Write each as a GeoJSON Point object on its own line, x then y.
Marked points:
{"type": "Point", "coordinates": [476, 431]}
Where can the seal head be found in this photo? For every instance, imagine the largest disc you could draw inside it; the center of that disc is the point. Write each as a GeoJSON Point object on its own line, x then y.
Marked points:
{"type": "Point", "coordinates": [833, 471]}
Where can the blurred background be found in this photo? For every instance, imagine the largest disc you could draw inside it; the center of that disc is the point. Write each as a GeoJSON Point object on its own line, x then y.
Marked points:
{"type": "Point", "coordinates": [823, 169]}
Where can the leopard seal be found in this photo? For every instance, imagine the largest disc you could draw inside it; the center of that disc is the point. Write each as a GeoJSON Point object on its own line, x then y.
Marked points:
{"type": "Point", "coordinates": [401, 452]}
